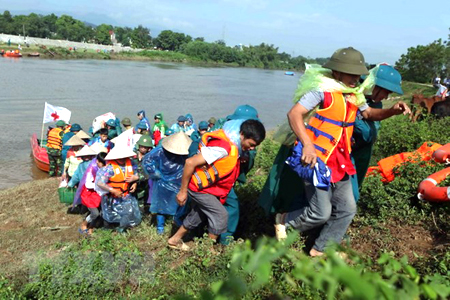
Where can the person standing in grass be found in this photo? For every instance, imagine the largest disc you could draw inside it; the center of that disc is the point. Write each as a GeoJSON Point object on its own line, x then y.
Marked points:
{"type": "Point", "coordinates": [209, 176]}
{"type": "Point", "coordinates": [164, 165]}
{"type": "Point", "coordinates": [335, 91]}
{"type": "Point", "coordinates": [89, 197]}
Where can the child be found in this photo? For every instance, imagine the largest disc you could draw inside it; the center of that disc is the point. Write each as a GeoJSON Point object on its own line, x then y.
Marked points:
{"type": "Point", "coordinates": [102, 139]}
{"type": "Point", "coordinates": [89, 196]}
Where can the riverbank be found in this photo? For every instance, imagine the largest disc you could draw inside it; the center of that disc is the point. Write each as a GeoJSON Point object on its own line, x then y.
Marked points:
{"type": "Point", "coordinates": [145, 55]}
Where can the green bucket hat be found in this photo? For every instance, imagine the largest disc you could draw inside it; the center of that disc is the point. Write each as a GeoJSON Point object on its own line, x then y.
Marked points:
{"type": "Point", "coordinates": [60, 123]}
{"type": "Point", "coordinates": [347, 60]}
{"type": "Point", "coordinates": [145, 141]}
{"type": "Point", "coordinates": [389, 78]}
{"type": "Point", "coordinates": [126, 122]}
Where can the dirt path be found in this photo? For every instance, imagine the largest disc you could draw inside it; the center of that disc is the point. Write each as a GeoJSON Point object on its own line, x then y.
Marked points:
{"type": "Point", "coordinates": [33, 220]}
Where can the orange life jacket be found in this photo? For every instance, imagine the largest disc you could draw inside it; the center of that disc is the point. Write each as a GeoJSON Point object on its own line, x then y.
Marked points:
{"type": "Point", "coordinates": [118, 180]}
{"type": "Point", "coordinates": [208, 175]}
{"type": "Point", "coordinates": [326, 127]}
{"type": "Point", "coordinates": [54, 139]}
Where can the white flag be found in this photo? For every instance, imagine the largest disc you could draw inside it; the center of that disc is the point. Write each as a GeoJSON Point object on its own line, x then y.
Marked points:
{"type": "Point", "coordinates": [56, 113]}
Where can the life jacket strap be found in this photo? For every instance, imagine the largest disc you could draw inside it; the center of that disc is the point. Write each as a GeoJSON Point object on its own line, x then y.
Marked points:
{"type": "Point", "coordinates": [318, 132]}
{"type": "Point", "coordinates": [338, 123]}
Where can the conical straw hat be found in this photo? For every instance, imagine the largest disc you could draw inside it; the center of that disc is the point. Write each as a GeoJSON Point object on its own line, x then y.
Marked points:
{"type": "Point", "coordinates": [177, 143]}
{"type": "Point", "coordinates": [85, 151]}
{"type": "Point", "coordinates": [83, 135]}
{"type": "Point", "coordinates": [119, 152]}
{"type": "Point", "coordinates": [75, 141]}
{"type": "Point", "coordinates": [97, 148]}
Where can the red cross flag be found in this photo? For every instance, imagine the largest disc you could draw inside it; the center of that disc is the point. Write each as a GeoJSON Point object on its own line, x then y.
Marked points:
{"type": "Point", "coordinates": [56, 113]}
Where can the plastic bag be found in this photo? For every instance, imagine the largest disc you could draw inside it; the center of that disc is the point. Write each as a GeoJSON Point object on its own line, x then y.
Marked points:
{"type": "Point", "coordinates": [319, 176]}
{"type": "Point", "coordinates": [98, 121]}
{"type": "Point", "coordinates": [124, 211]}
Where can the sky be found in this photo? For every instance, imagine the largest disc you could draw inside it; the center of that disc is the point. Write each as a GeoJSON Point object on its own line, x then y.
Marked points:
{"type": "Point", "coordinates": [382, 30]}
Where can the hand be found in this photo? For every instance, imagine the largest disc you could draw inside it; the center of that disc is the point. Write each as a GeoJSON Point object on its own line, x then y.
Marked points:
{"type": "Point", "coordinates": [63, 177]}
{"type": "Point", "coordinates": [181, 198]}
{"type": "Point", "coordinates": [116, 193]}
{"type": "Point", "coordinates": [132, 178]}
{"type": "Point", "coordinates": [309, 155]}
{"type": "Point", "coordinates": [401, 107]}
{"type": "Point", "coordinates": [133, 187]}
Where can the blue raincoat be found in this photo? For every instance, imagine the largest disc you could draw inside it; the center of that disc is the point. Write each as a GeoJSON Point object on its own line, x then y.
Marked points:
{"type": "Point", "coordinates": [165, 170]}
{"type": "Point", "coordinates": [65, 139]}
{"type": "Point", "coordinates": [190, 119]}
{"type": "Point", "coordinates": [144, 120]}
{"type": "Point", "coordinates": [319, 176]}
{"type": "Point", "coordinates": [123, 210]}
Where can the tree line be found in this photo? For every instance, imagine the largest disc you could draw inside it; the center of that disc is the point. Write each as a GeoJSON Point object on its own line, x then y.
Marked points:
{"type": "Point", "coordinates": [67, 28]}
{"type": "Point", "coordinates": [423, 63]}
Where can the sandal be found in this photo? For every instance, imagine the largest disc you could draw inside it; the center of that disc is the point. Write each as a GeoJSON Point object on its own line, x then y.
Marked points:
{"type": "Point", "coordinates": [180, 246]}
{"type": "Point", "coordinates": [83, 231]}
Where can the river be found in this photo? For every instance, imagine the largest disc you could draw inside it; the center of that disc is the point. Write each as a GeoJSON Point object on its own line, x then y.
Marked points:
{"type": "Point", "coordinates": [92, 87]}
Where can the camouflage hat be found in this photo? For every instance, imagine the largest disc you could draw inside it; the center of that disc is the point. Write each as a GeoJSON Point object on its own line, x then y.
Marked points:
{"type": "Point", "coordinates": [60, 123]}
{"type": "Point", "coordinates": [347, 60]}
{"type": "Point", "coordinates": [145, 141]}
{"type": "Point", "coordinates": [126, 122]}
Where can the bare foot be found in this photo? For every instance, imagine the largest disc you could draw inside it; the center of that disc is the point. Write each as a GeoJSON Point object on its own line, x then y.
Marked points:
{"type": "Point", "coordinates": [314, 253]}
{"type": "Point", "coordinates": [84, 225]}
{"type": "Point", "coordinates": [173, 241]}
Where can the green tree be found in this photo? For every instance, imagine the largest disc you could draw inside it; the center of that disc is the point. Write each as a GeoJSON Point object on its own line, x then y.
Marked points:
{"type": "Point", "coordinates": [72, 29]}
{"type": "Point", "coordinates": [140, 37]}
{"type": "Point", "coordinates": [123, 35]}
{"type": "Point", "coordinates": [422, 63]}
{"type": "Point", "coordinates": [102, 34]}
{"type": "Point", "coordinates": [50, 25]}
{"type": "Point", "coordinates": [169, 40]}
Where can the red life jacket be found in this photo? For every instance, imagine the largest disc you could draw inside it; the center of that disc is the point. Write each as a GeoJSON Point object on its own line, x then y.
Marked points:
{"type": "Point", "coordinates": [218, 178]}
{"type": "Point", "coordinates": [326, 127]}
{"type": "Point", "coordinates": [118, 180]}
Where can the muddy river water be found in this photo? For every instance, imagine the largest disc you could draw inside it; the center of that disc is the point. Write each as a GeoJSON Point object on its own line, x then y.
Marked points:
{"type": "Point", "coordinates": [92, 87]}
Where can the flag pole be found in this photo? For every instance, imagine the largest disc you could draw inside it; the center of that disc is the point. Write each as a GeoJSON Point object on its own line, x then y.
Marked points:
{"type": "Point", "coordinates": [42, 133]}
{"type": "Point", "coordinates": [43, 119]}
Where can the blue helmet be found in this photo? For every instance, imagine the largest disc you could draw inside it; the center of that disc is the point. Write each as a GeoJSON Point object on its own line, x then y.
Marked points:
{"type": "Point", "coordinates": [389, 78]}
{"type": "Point", "coordinates": [75, 127]}
{"type": "Point", "coordinates": [111, 122]}
{"type": "Point", "coordinates": [203, 125]}
{"type": "Point", "coordinates": [245, 112]}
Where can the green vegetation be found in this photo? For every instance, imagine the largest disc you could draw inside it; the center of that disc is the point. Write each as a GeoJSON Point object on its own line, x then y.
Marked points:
{"type": "Point", "coordinates": [423, 63]}
{"type": "Point", "coordinates": [397, 247]}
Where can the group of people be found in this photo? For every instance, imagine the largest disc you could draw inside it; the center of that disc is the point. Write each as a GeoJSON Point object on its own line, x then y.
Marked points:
{"type": "Point", "coordinates": [120, 173]}
{"type": "Point", "coordinates": [189, 171]}
{"type": "Point", "coordinates": [442, 87]}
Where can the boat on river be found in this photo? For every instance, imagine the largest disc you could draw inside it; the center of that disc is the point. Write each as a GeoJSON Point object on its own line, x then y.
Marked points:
{"type": "Point", "coordinates": [39, 154]}
{"type": "Point", "coordinates": [15, 54]}
{"type": "Point", "coordinates": [289, 73]}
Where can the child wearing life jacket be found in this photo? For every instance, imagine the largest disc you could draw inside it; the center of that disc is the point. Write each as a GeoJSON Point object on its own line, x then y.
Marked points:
{"type": "Point", "coordinates": [89, 197]}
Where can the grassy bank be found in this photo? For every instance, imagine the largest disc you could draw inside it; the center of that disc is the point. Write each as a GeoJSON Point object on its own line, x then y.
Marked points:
{"type": "Point", "coordinates": [397, 246]}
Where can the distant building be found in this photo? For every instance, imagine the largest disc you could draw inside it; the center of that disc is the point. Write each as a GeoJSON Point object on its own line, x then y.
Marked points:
{"type": "Point", "coordinates": [113, 37]}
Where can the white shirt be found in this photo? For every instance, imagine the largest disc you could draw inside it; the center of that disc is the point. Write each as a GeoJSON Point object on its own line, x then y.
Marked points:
{"type": "Point", "coordinates": [212, 154]}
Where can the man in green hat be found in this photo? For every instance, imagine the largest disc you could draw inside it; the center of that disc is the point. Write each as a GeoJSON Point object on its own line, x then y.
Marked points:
{"type": "Point", "coordinates": [126, 122]}
{"type": "Point", "coordinates": [335, 90]}
{"type": "Point", "coordinates": [145, 145]}
{"type": "Point", "coordinates": [54, 147]}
